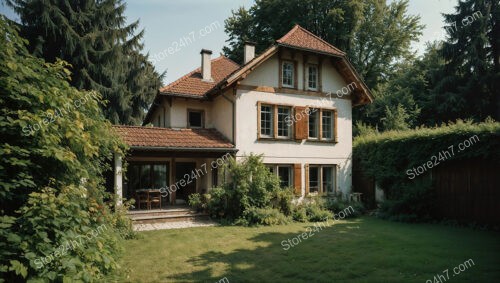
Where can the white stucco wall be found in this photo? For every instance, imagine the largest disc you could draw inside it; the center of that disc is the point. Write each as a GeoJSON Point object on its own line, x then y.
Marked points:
{"type": "Point", "coordinates": [292, 152]}
{"type": "Point", "coordinates": [222, 114]}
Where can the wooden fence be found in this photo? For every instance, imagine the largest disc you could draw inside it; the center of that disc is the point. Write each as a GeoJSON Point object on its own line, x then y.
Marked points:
{"type": "Point", "coordinates": [466, 190]}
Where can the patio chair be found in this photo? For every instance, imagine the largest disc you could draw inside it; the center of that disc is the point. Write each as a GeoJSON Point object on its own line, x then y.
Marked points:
{"type": "Point", "coordinates": [142, 198]}
{"type": "Point", "coordinates": [154, 198]}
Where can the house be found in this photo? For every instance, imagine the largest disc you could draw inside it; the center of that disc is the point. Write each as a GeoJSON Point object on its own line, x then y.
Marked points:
{"type": "Point", "coordinates": [292, 104]}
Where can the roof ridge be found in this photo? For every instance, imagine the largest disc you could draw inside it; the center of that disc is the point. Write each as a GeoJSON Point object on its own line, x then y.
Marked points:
{"type": "Point", "coordinates": [297, 26]}
{"type": "Point", "coordinates": [287, 35]}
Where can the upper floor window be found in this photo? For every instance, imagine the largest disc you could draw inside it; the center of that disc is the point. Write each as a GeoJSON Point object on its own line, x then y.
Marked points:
{"type": "Point", "coordinates": [287, 75]}
{"type": "Point", "coordinates": [322, 124]}
{"type": "Point", "coordinates": [312, 77]}
{"type": "Point", "coordinates": [195, 118]}
{"type": "Point", "coordinates": [314, 123]}
{"type": "Point", "coordinates": [327, 125]}
{"type": "Point", "coordinates": [284, 126]}
{"type": "Point", "coordinates": [266, 120]}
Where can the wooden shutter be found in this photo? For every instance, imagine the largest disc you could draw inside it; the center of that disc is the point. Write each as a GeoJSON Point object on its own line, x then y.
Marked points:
{"type": "Point", "coordinates": [301, 120]}
{"type": "Point", "coordinates": [307, 179]}
{"type": "Point", "coordinates": [297, 178]}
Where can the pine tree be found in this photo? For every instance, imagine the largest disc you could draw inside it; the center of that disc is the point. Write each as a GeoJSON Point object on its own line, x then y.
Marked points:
{"type": "Point", "coordinates": [104, 52]}
{"type": "Point", "coordinates": [471, 77]}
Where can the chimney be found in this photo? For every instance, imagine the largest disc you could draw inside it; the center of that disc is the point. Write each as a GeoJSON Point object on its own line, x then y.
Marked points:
{"type": "Point", "coordinates": [248, 51]}
{"type": "Point", "coordinates": [206, 65]}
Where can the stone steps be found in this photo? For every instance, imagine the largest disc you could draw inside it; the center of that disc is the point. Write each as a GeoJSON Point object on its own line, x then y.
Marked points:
{"type": "Point", "coordinates": [166, 215]}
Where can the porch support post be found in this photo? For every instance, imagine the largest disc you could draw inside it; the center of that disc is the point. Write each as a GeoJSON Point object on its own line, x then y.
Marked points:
{"type": "Point", "coordinates": [118, 180]}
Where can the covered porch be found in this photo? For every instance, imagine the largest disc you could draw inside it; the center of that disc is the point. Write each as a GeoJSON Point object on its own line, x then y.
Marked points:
{"type": "Point", "coordinates": [165, 166]}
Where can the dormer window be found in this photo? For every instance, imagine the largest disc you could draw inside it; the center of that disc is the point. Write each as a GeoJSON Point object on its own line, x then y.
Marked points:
{"type": "Point", "coordinates": [195, 118]}
{"type": "Point", "coordinates": [288, 74]}
{"type": "Point", "coordinates": [312, 77]}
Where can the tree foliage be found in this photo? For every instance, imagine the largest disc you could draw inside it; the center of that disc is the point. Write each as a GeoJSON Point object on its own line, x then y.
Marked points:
{"type": "Point", "coordinates": [470, 79]}
{"type": "Point", "coordinates": [55, 146]}
{"type": "Point", "coordinates": [104, 53]}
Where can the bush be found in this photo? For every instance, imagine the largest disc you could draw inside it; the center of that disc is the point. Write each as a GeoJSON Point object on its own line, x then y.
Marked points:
{"type": "Point", "coordinates": [282, 200]}
{"type": "Point", "coordinates": [251, 185]}
{"type": "Point", "coordinates": [350, 209]}
{"type": "Point", "coordinates": [316, 213]}
{"type": "Point", "coordinates": [415, 202]}
{"type": "Point", "coordinates": [299, 214]}
{"type": "Point", "coordinates": [263, 216]}
{"type": "Point", "coordinates": [194, 200]}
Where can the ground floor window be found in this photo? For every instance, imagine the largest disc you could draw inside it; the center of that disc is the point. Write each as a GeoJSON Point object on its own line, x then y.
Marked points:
{"type": "Point", "coordinates": [284, 172]}
{"type": "Point", "coordinates": [322, 179]}
{"type": "Point", "coordinates": [146, 176]}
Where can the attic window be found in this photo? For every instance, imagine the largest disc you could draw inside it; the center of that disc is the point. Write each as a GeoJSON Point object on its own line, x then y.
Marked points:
{"type": "Point", "coordinates": [195, 118]}
{"type": "Point", "coordinates": [287, 75]}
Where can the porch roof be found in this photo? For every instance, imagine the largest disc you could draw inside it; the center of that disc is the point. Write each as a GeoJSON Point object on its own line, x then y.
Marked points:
{"type": "Point", "coordinates": [151, 138]}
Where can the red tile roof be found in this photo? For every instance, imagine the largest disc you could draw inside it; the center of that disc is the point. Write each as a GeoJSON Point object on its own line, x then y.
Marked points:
{"type": "Point", "coordinates": [192, 84]}
{"type": "Point", "coordinates": [301, 38]}
{"type": "Point", "coordinates": [176, 138]}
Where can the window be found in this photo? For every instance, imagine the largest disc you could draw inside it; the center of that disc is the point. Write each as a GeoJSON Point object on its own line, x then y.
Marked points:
{"type": "Point", "coordinates": [195, 118]}
{"type": "Point", "coordinates": [314, 185]}
{"type": "Point", "coordinates": [284, 172]}
{"type": "Point", "coordinates": [327, 125]}
{"type": "Point", "coordinates": [328, 184]}
{"type": "Point", "coordinates": [321, 124]}
{"type": "Point", "coordinates": [284, 126]}
{"type": "Point", "coordinates": [287, 75]}
{"type": "Point", "coordinates": [313, 123]}
{"type": "Point", "coordinates": [322, 179]}
{"type": "Point", "coordinates": [146, 176]}
{"type": "Point", "coordinates": [266, 120]}
{"type": "Point", "coordinates": [312, 77]}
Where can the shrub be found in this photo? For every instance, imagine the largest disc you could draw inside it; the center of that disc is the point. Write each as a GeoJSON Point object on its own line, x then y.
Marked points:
{"type": "Point", "coordinates": [194, 200]}
{"type": "Point", "coordinates": [250, 185]}
{"type": "Point", "coordinates": [282, 200]}
{"type": "Point", "coordinates": [217, 203]}
{"type": "Point", "coordinates": [415, 202]}
{"type": "Point", "coordinates": [350, 209]}
{"type": "Point", "coordinates": [316, 213]}
{"type": "Point", "coordinates": [263, 216]}
{"type": "Point", "coordinates": [299, 214]}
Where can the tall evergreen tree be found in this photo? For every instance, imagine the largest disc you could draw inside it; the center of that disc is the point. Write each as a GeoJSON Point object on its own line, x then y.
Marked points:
{"type": "Point", "coordinates": [471, 77]}
{"type": "Point", "coordinates": [104, 52]}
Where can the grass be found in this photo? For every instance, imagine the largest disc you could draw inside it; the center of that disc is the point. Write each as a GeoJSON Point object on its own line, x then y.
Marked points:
{"type": "Point", "coordinates": [360, 250]}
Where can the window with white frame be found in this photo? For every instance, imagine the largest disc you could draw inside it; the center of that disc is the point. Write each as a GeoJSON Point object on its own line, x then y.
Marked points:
{"type": "Point", "coordinates": [284, 126]}
{"type": "Point", "coordinates": [313, 123]}
{"type": "Point", "coordinates": [322, 179]}
{"type": "Point", "coordinates": [312, 77]}
{"type": "Point", "coordinates": [287, 75]}
{"type": "Point", "coordinates": [327, 124]}
{"type": "Point", "coordinates": [266, 120]}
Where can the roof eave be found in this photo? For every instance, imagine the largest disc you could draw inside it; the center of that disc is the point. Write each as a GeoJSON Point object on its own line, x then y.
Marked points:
{"type": "Point", "coordinates": [176, 148]}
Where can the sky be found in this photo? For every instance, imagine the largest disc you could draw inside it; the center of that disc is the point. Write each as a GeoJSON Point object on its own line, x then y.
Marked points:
{"type": "Point", "coordinates": [177, 30]}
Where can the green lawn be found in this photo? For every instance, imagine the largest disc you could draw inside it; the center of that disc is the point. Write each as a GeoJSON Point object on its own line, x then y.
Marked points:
{"type": "Point", "coordinates": [360, 250]}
